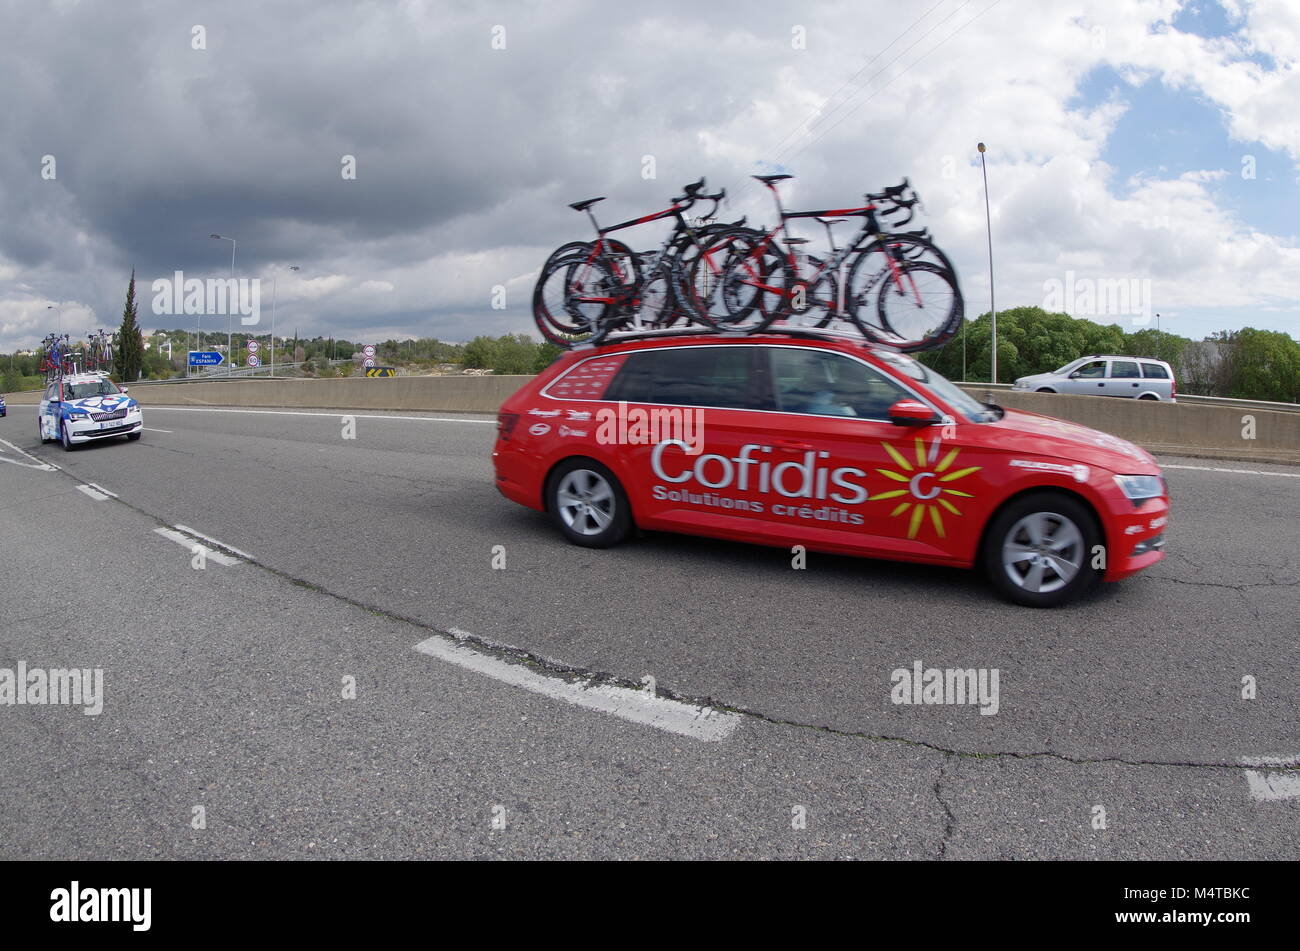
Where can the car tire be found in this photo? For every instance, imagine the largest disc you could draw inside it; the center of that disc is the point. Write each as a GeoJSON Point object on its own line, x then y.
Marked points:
{"type": "Point", "coordinates": [40, 432]}
{"type": "Point", "coordinates": [1148, 396]}
{"type": "Point", "coordinates": [134, 436]}
{"type": "Point", "coordinates": [588, 503]}
{"type": "Point", "coordinates": [1044, 389]}
{"type": "Point", "coordinates": [64, 437]}
{"type": "Point", "coordinates": [1057, 535]}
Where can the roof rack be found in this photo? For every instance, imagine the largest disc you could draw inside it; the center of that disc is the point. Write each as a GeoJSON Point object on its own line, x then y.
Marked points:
{"type": "Point", "coordinates": [806, 333]}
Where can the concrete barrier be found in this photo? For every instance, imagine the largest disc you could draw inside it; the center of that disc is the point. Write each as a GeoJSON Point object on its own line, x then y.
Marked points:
{"type": "Point", "coordinates": [1178, 428]}
{"type": "Point", "coordinates": [1190, 429]}
{"type": "Point", "coordinates": [448, 394]}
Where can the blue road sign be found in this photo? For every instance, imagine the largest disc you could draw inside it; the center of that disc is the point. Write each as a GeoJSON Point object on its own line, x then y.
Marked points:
{"type": "Point", "coordinates": [205, 358]}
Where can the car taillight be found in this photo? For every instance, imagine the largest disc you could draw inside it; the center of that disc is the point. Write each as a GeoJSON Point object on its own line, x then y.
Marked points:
{"type": "Point", "coordinates": [506, 425]}
{"type": "Point", "coordinates": [1173, 387]}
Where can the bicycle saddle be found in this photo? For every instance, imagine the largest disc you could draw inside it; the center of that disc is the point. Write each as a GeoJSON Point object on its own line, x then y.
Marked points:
{"type": "Point", "coordinates": [584, 205]}
{"type": "Point", "coordinates": [768, 179]}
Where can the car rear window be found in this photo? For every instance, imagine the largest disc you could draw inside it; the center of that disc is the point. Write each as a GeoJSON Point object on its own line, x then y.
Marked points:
{"type": "Point", "coordinates": [689, 376]}
{"type": "Point", "coordinates": [1154, 371]}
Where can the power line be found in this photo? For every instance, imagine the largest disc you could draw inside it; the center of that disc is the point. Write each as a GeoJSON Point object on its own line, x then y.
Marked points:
{"type": "Point", "coordinates": [748, 187]}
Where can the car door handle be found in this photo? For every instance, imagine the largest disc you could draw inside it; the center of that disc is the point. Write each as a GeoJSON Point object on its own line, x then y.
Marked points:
{"type": "Point", "coordinates": [793, 445]}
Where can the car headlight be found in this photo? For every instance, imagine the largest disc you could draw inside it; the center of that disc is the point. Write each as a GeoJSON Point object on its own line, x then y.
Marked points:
{"type": "Point", "coordinates": [78, 415]}
{"type": "Point", "coordinates": [1139, 487]}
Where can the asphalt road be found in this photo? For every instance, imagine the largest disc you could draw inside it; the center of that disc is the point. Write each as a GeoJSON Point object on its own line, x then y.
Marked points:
{"type": "Point", "coordinates": [224, 685]}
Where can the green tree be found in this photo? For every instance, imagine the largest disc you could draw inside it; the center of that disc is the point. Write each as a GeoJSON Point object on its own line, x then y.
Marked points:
{"type": "Point", "coordinates": [480, 354]}
{"type": "Point", "coordinates": [128, 347]}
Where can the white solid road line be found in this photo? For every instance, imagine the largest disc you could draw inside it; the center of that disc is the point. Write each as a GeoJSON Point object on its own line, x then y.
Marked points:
{"type": "Point", "coordinates": [97, 496]}
{"type": "Point", "coordinates": [1271, 786]}
{"type": "Point", "coordinates": [1284, 475]}
{"type": "Point", "coordinates": [638, 706]}
{"type": "Point", "coordinates": [342, 412]}
{"type": "Point", "coordinates": [148, 430]}
{"type": "Point", "coordinates": [190, 544]}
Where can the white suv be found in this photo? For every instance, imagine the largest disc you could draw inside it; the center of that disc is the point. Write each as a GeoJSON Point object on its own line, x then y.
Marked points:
{"type": "Point", "coordinates": [1135, 377]}
{"type": "Point", "coordinates": [83, 407]}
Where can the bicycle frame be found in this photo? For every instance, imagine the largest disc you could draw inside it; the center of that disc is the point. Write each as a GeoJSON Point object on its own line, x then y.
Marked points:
{"type": "Point", "coordinates": [677, 210]}
{"type": "Point", "coordinates": [870, 230]}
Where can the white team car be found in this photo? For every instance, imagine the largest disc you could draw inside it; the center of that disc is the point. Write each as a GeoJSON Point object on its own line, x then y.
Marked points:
{"type": "Point", "coordinates": [83, 407]}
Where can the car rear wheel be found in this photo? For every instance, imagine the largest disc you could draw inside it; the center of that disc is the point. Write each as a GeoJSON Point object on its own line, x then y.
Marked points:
{"type": "Point", "coordinates": [1038, 551]}
{"type": "Point", "coordinates": [588, 504]}
{"type": "Point", "coordinates": [40, 431]}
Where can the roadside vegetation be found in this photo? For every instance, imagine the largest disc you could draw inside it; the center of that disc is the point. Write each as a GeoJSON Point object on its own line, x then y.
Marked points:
{"type": "Point", "coordinates": [1244, 364]}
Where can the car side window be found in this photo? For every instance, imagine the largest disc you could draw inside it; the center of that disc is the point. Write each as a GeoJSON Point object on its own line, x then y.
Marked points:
{"type": "Point", "coordinates": [689, 376]}
{"type": "Point", "coordinates": [1154, 371]}
{"type": "Point", "coordinates": [1124, 369]}
{"type": "Point", "coordinates": [1095, 370]}
{"type": "Point", "coordinates": [821, 383]}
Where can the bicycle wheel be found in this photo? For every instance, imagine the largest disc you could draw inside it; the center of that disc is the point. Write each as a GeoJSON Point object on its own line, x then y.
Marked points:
{"type": "Point", "coordinates": [753, 288]}
{"type": "Point", "coordinates": [917, 308]}
{"type": "Point", "coordinates": [572, 299]}
{"type": "Point", "coordinates": [872, 268]}
{"type": "Point", "coordinates": [701, 268]}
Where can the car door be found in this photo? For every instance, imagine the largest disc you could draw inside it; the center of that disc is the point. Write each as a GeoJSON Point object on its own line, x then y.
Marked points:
{"type": "Point", "coordinates": [686, 415]}
{"type": "Point", "coordinates": [1088, 380]}
{"type": "Point", "coordinates": [49, 411]}
{"type": "Point", "coordinates": [1124, 379]}
{"type": "Point", "coordinates": [1156, 378]}
{"type": "Point", "coordinates": [852, 479]}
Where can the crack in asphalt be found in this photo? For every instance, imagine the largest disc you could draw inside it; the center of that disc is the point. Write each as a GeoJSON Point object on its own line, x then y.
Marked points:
{"type": "Point", "coordinates": [572, 673]}
{"type": "Point", "coordinates": [951, 819]}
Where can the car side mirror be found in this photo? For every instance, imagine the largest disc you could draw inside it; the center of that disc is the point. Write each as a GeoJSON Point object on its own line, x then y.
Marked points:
{"type": "Point", "coordinates": [1074, 375]}
{"type": "Point", "coordinates": [912, 413]}
{"type": "Point", "coordinates": [125, 388]}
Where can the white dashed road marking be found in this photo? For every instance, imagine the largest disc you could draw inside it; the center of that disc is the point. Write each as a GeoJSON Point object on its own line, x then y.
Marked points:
{"type": "Point", "coordinates": [638, 706]}
{"type": "Point", "coordinates": [1271, 786]}
{"type": "Point", "coordinates": [93, 493]}
{"type": "Point", "coordinates": [1284, 475]}
{"type": "Point", "coordinates": [189, 544]}
{"type": "Point", "coordinates": [208, 538]}
{"type": "Point", "coordinates": [33, 464]}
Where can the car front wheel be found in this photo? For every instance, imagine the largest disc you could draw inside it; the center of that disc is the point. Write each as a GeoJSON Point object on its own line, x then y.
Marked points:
{"type": "Point", "coordinates": [65, 438]}
{"type": "Point", "coordinates": [588, 504]}
{"type": "Point", "coordinates": [1039, 550]}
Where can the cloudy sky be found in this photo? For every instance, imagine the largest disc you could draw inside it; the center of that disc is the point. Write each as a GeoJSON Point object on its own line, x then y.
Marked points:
{"type": "Point", "coordinates": [1154, 141]}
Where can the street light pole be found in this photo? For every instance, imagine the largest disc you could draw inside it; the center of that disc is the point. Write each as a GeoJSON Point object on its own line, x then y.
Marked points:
{"type": "Point", "coordinates": [274, 288]}
{"type": "Point", "coordinates": [230, 336]}
{"type": "Point", "coordinates": [988, 219]}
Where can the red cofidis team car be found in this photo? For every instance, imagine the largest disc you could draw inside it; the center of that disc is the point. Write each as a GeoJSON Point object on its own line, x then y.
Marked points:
{"type": "Point", "coordinates": [819, 440]}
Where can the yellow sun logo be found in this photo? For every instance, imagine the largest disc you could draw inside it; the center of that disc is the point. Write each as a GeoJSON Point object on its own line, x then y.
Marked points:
{"type": "Point", "coordinates": [926, 483]}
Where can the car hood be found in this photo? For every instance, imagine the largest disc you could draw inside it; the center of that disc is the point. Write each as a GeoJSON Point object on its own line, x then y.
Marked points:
{"type": "Point", "coordinates": [100, 404]}
{"type": "Point", "coordinates": [1037, 378]}
{"type": "Point", "coordinates": [1066, 440]}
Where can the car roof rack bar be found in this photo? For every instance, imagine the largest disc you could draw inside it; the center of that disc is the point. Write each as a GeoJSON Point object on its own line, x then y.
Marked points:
{"type": "Point", "coordinates": [807, 333]}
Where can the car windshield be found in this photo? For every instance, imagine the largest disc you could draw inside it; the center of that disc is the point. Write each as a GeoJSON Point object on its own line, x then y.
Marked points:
{"type": "Point", "coordinates": [1068, 367]}
{"type": "Point", "coordinates": [945, 389]}
{"type": "Point", "coordinates": [79, 391]}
